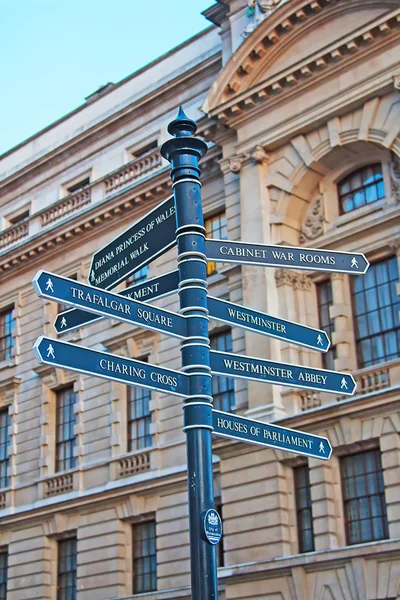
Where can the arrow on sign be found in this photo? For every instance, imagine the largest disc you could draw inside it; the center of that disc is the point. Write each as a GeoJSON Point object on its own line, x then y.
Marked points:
{"type": "Point", "coordinates": [107, 304]}
{"type": "Point", "coordinates": [147, 239]}
{"type": "Point", "coordinates": [256, 432]}
{"type": "Point", "coordinates": [235, 365]}
{"type": "Point", "coordinates": [289, 257]}
{"type": "Point", "coordinates": [110, 366]}
{"type": "Point", "coordinates": [151, 289]}
{"type": "Point", "coordinates": [241, 316]}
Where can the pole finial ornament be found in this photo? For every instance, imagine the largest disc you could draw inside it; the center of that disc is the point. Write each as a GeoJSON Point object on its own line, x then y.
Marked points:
{"type": "Point", "coordinates": [182, 126]}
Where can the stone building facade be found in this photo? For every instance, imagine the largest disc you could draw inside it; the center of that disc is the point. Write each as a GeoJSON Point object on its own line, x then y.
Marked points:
{"type": "Point", "coordinates": [300, 103]}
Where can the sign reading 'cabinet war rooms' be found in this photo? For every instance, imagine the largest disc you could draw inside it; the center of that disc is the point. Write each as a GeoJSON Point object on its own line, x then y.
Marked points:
{"type": "Point", "coordinates": [179, 221]}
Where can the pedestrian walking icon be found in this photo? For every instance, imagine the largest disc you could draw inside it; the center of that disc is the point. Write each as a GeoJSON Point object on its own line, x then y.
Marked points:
{"type": "Point", "coordinates": [50, 351]}
{"type": "Point", "coordinates": [319, 340]}
{"type": "Point", "coordinates": [343, 384]}
{"type": "Point", "coordinates": [49, 285]}
{"type": "Point", "coordinates": [322, 447]}
{"type": "Point", "coordinates": [354, 263]}
{"type": "Point", "coordinates": [63, 322]}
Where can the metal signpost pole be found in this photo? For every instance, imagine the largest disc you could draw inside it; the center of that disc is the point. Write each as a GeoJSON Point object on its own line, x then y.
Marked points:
{"type": "Point", "coordinates": [183, 152]}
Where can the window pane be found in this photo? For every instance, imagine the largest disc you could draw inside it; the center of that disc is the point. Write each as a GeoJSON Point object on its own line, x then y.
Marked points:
{"type": "Point", "coordinates": [324, 300]}
{"type": "Point", "coordinates": [223, 390]}
{"type": "Point", "coordinates": [5, 421]}
{"type": "Point", "coordinates": [361, 187]}
{"type": "Point", "coordinates": [376, 313]}
{"type": "Point", "coordinates": [3, 575]}
{"type": "Point", "coordinates": [216, 228]}
{"type": "Point", "coordinates": [6, 334]}
{"type": "Point", "coordinates": [66, 587]}
{"type": "Point", "coordinates": [138, 277]}
{"type": "Point", "coordinates": [144, 557]}
{"type": "Point", "coordinates": [139, 417]}
{"type": "Point", "coordinates": [65, 437]}
{"type": "Point", "coordinates": [303, 508]}
{"type": "Point", "coordinates": [363, 497]}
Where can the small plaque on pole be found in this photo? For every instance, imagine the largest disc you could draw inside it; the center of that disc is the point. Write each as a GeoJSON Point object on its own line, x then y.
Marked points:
{"type": "Point", "coordinates": [212, 527]}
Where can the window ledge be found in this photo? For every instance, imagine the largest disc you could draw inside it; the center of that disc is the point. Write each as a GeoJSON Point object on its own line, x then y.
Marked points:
{"type": "Point", "coordinates": [5, 364]}
{"type": "Point", "coordinates": [359, 213]}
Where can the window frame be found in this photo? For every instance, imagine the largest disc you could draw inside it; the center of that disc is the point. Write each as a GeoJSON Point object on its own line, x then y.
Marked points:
{"type": "Point", "coordinates": [74, 555]}
{"type": "Point", "coordinates": [134, 395]}
{"type": "Point", "coordinates": [222, 229]}
{"type": "Point", "coordinates": [327, 358]}
{"type": "Point", "coordinates": [3, 573]}
{"type": "Point", "coordinates": [351, 458]}
{"type": "Point", "coordinates": [8, 328]}
{"type": "Point", "coordinates": [221, 384]}
{"type": "Point", "coordinates": [137, 557]}
{"type": "Point", "coordinates": [4, 462]}
{"type": "Point", "coordinates": [358, 171]}
{"type": "Point", "coordinates": [302, 549]}
{"type": "Point", "coordinates": [69, 442]}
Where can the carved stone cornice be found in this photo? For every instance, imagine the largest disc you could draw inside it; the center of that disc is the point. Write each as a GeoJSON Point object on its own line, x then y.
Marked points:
{"type": "Point", "coordinates": [53, 378]}
{"type": "Point", "coordinates": [8, 390]}
{"type": "Point", "coordinates": [394, 244]}
{"type": "Point", "coordinates": [302, 282]}
{"type": "Point", "coordinates": [394, 170]}
{"type": "Point", "coordinates": [257, 155]}
{"type": "Point", "coordinates": [285, 277]}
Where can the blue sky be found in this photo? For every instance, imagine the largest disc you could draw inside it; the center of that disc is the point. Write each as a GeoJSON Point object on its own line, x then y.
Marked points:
{"type": "Point", "coordinates": [53, 53]}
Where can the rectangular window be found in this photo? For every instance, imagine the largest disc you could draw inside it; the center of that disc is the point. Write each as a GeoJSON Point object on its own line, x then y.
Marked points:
{"type": "Point", "coordinates": [18, 218]}
{"type": "Point", "coordinates": [364, 497]}
{"type": "Point", "coordinates": [138, 277]}
{"type": "Point", "coordinates": [6, 334]}
{"type": "Point", "coordinates": [139, 417]}
{"type": "Point", "coordinates": [220, 547]}
{"type": "Point", "coordinates": [66, 584]}
{"type": "Point", "coordinates": [302, 489]}
{"type": "Point", "coordinates": [376, 308]}
{"type": "Point", "coordinates": [216, 228]}
{"type": "Point", "coordinates": [144, 149]}
{"type": "Point", "coordinates": [144, 557]}
{"type": "Point", "coordinates": [223, 390]}
{"type": "Point", "coordinates": [65, 421]}
{"type": "Point", "coordinates": [324, 299]}
{"type": "Point", "coordinates": [77, 187]}
{"type": "Point", "coordinates": [3, 574]}
{"type": "Point", "coordinates": [5, 422]}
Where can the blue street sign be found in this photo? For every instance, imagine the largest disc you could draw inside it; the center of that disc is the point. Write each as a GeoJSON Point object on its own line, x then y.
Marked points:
{"type": "Point", "coordinates": [151, 289]}
{"type": "Point", "coordinates": [311, 259]}
{"type": "Point", "coordinates": [245, 367]}
{"type": "Point", "coordinates": [150, 237]}
{"type": "Point", "coordinates": [256, 432]}
{"type": "Point", "coordinates": [241, 316]}
{"type": "Point", "coordinates": [107, 304]}
{"type": "Point", "coordinates": [110, 366]}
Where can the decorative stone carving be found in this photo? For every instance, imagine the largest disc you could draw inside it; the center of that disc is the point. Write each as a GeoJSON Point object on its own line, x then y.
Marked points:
{"type": "Point", "coordinates": [235, 164]}
{"type": "Point", "coordinates": [394, 170]}
{"type": "Point", "coordinates": [285, 277]}
{"type": "Point", "coordinates": [313, 225]}
{"type": "Point", "coordinates": [258, 155]}
{"type": "Point", "coordinates": [396, 82]}
{"type": "Point", "coordinates": [302, 282]}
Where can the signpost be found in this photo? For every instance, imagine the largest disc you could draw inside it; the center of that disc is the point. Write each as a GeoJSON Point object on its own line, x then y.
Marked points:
{"type": "Point", "coordinates": [179, 220]}
{"type": "Point", "coordinates": [289, 257]}
{"type": "Point", "coordinates": [134, 248]}
{"type": "Point", "coordinates": [108, 304]}
{"type": "Point", "coordinates": [247, 318]}
{"type": "Point", "coordinates": [256, 432]}
{"type": "Point", "coordinates": [151, 289]}
{"type": "Point", "coordinates": [245, 367]}
{"type": "Point", "coordinates": [109, 366]}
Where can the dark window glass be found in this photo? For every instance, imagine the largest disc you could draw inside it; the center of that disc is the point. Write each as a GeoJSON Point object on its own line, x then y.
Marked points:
{"type": "Point", "coordinates": [77, 187]}
{"type": "Point", "coordinates": [3, 575]}
{"type": "Point", "coordinates": [376, 313]}
{"type": "Point", "coordinates": [220, 546]}
{"type": "Point", "coordinates": [139, 417]}
{"type": "Point", "coordinates": [361, 187]}
{"type": "Point", "coordinates": [65, 437]}
{"type": "Point", "coordinates": [144, 557]}
{"type": "Point", "coordinates": [216, 228]}
{"type": "Point", "coordinates": [66, 586]}
{"type": "Point", "coordinates": [19, 218]}
{"type": "Point", "coordinates": [6, 334]}
{"type": "Point", "coordinates": [5, 421]}
{"type": "Point", "coordinates": [138, 277]}
{"type": "Point", "coordinates": [302, 488]}
{"type": "Point", "coordinates": [144, 149]}
{"type": "Point", "coordinates": [223, 390]}
{"type": "Point", "coordinates": [364, 497]}
{"type": "Point", "coordinates": [324, 299]}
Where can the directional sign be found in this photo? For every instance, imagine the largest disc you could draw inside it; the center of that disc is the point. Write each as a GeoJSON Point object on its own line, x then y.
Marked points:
{"type": "Point", "coordinates": [108, 304]}
{"type": "Point", "coordinates": [235, 365]}
{"type": "Point", "coordinates": [150, 237]}
{"type": "Point", "coordinates": [151, 289]}
{"type": "Point", "coordinates": [241, 316]}
{"type": "Point", "coordinates": [289, 257]}
{"type": "Point", "coordinates": [256, 432]}
{"type": "Point", "coordinates": [110, 366]}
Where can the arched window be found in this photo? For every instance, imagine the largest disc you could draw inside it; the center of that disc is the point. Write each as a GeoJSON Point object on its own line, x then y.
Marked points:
{"type": "Point", "coordinates": [361, 187]}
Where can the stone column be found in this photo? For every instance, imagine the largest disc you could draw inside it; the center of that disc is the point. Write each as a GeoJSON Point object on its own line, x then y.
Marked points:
{"type": "Point", "coordinates": [390, 449]}
{"type": "Point", "coordinates": [343, 334]}
{"type": "Point", "coordinates": [259, 285]}
{"type": "Point", "coordinates": [326, 503]}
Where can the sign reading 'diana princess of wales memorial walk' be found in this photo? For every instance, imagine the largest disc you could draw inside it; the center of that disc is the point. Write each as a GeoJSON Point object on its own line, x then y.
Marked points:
{"type": "Point", "coordinates": [107, 304]}
{"type": "Point", "coordinates": [289, 257]}
{"type": "Point", "coordinates": [134, 248]}
{"type": "Point", "coordinates": [150, 289]}
{"type": "Point", "coordinates": [110, 366]}
{"type": "Point", "coordinates": [256, 432]}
